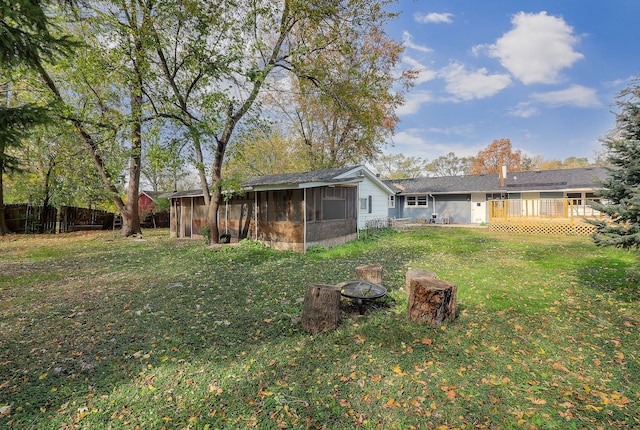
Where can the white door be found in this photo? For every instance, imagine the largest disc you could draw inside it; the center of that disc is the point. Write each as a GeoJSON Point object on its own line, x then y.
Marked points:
{"type": "Point", "coordinates": [478, 212]}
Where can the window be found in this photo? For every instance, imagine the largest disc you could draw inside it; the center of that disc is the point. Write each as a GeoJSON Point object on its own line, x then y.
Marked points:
{"type": "Point", "coordinates": [496, 196]}
{"type": "Point", "coordinates": [366, 204]}
{"type": "Point", "coordinates": [576, 198]}
{"type": "Point", "coordinates": [392, 202]}
{"type": "Point", "coordinates": [331, 203]}
{"type": "Point", "coordinates": [416, 200]}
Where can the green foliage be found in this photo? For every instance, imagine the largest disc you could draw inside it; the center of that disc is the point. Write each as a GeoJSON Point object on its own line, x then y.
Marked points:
{"type": "Point", "coordinates": [26, 36]}
{"type": "Point", "coordinates": [450, 165]}
{"type": "Point", "coordinates": [620, 189]}
{"type": "Point", "coordinates": [206, 235]}
{"type": "Point", "coordinates": [399, 166]}
{"type": "Point", "coordinates": [167, 333]}
{"type": "Point", "coordinates": [15, 124]}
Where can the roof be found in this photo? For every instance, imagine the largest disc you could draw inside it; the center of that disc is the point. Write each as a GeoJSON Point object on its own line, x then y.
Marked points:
{"type": "Point", "coordinates": [537, 180]}
{"type": "Point", "coordinates": [314, 178]}
{"type": "Point", "coordinates": [153, 194]}
{"type": "Point", "coordinates": [186, 193]}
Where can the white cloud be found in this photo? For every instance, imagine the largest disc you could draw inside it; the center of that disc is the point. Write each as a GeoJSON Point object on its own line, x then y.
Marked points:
{"type": "Point", "coordinates": [468, 85]}
{"type": "Point", "coordinates": [407, 40]}
{"type": "Point", "coordinates": [524, 110]}
{"type": "Point", "coordinates": [433, 18]}
{"type": "Point", "coordinates": [575, 95]}
{"type": "Point", "coordinates": [409, 137]}
{"type": "Point", "coordinates": [418, 142]}
{"type": "Point", "coordinates": [537, 48]}
{"type": "Point", "coordinates": [424, 74]}
{"type": "Point", "coordinates": [413, 102]}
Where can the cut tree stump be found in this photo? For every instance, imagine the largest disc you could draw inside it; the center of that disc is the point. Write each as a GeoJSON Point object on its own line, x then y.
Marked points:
{"type": "Point", "coordinates": [431, 300]}
{"type": "Point", "coordinates": [321, 307]}
{"type": "Point", "coordinates": [369, 272]}
{"type": "Point", "coordinates": [419, 273]}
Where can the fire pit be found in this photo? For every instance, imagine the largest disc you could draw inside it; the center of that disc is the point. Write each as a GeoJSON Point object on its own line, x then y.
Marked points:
{"type": "Point", "coordinates": [361, 291]}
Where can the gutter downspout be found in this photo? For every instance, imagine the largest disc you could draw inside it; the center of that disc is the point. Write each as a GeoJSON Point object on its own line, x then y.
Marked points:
{"type": "Point", "coordinates": [433, 212]}
{"type": "Point", "coordinates": [304, 221]}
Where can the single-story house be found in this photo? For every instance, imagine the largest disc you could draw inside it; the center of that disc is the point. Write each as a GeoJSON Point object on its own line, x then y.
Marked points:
{"type": "Point", "coordinates": [466, 199]}
{"type": "Point", "coordinates": [290, 211]}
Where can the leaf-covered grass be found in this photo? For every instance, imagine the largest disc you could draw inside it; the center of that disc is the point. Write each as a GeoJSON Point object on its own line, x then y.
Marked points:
{"type": "Point", "coordinates": [100, 332]}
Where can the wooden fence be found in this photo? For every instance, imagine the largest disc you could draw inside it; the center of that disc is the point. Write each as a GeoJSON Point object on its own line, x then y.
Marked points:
{"type": "Point", "coordinates": [25, 218]}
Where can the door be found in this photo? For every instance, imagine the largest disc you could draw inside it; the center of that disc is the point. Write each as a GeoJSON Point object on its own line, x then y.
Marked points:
{"type": "Point", "coordinates": [478, 208]}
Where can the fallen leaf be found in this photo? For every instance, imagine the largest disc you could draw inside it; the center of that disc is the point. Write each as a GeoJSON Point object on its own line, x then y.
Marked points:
{"type": "Point", "coordinates": [5, 410]}
{"type": "Point", "coordinates": [398, 371]}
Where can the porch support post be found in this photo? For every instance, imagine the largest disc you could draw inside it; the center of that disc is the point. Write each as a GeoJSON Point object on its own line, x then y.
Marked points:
{"type": "Point", "coordinates": [304, 220]}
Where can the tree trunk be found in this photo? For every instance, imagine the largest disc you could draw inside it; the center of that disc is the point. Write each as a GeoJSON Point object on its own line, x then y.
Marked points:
{"type": "Point", "coordinates": [131, 216]}
{"type": "Point", "coordinates": [3, 222]}
{"type": "Point", "coordinates": [370, 273]}
{"type": "Point", "coordinates": [431, 300]}
{"type": "Point", "coordinates": [321, 307]}
{"type": "Point", "coordinates": [212, 215]}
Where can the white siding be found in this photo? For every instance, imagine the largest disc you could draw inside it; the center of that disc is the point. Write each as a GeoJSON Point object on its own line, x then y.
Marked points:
{"type": "Point", "coordinates": [379, 201]}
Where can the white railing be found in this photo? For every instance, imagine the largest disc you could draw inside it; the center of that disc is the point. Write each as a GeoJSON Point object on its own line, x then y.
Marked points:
{"type": "Point", "coordinates": [542, 208]}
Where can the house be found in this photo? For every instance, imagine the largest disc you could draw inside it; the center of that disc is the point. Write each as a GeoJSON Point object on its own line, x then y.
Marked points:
{"type": "Point", "coordinates": [468, 199]}
{"type": "Point", "coordinates": [146, 200]}
{"type": "Point", "coordinates": [150, 215]}
{"type": "Point", "coordinates": [290, 211]}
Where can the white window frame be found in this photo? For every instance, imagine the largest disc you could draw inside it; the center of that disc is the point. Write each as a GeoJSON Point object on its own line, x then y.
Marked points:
{"type": "Point", "coordinates": [364, 203]}
{"type": "Point", "coordinates": [392, 202]}
{"type": "Point", "coordinates": [420, 200]}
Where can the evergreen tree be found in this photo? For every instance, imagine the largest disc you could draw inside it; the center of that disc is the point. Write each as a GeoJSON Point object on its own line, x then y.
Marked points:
{"type": "Point", "coordinates": [25, 41]}
{"type": "Point", "coordinates": [621, 190]}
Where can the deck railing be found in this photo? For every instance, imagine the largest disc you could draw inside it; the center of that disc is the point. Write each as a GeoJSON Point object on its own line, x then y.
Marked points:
{"type": "Point", "coordinates": [573, 209]}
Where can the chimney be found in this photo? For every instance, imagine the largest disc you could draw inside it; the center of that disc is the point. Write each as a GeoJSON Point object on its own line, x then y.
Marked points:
{"type": "Point", "coordinates": [503, 174]}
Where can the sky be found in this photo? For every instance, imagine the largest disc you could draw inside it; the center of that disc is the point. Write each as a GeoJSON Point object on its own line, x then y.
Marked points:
{"type": "Point", "coordinates": [544, 74]}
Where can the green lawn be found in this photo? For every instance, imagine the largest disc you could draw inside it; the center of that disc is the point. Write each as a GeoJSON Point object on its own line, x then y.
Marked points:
{"type": "Point", "coordinates": [100, 332]}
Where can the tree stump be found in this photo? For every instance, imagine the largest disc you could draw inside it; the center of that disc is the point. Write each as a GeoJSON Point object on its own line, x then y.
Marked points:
{"type": "Point", "coordinates": [417, 273]}
{"type": "Point", "coordinates": [431, 300]}
{"type": "Point", "coordinates": [321, 307]}
{"type": "Point", "coordinates": [369, 272]}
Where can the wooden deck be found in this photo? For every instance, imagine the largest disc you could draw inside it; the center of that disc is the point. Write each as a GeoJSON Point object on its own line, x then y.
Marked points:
{"type": "Point", "coordinates": [542, 216]}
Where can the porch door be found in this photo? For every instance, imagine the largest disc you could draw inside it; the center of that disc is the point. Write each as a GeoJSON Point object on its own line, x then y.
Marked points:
{"type": "Point", "coordinates": [478, 208]}
{"type": "Point", "coordinates": [186, 216]}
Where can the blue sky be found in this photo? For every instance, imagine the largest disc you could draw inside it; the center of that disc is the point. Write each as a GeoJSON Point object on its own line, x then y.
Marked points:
{"type": "Point", "coordinates": [543, 74]}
